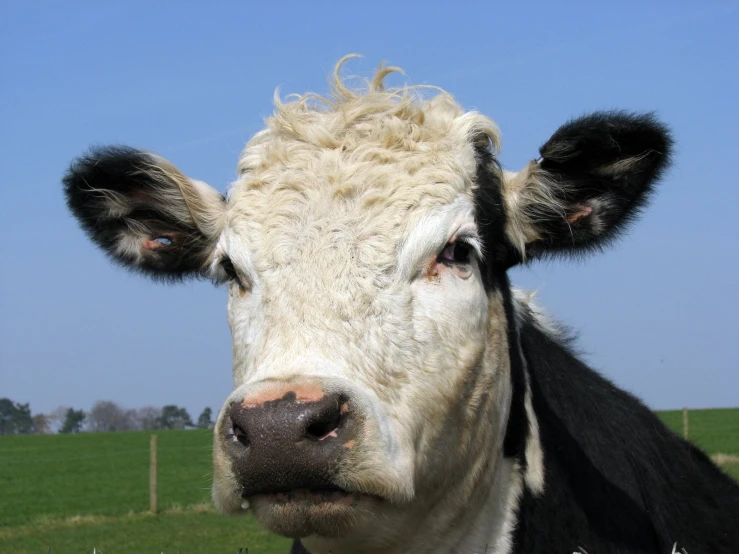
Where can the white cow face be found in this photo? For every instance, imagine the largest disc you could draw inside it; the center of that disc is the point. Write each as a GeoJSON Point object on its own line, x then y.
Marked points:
{"type": "Point", "coordinates": [364, 246]}
{"type": "Point", "coordinates": [360, 322]}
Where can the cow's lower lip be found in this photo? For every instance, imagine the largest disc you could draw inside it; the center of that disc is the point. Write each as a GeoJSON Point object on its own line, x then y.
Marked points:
{"type": "Point", "coordinates": [303, 512]}
{"type": "Point", "coordinates": [311, 496]}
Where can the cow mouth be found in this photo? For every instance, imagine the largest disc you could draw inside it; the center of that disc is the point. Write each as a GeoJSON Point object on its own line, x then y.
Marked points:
{"type": "Point", "coordinates": [300, 512]}
{"type": "Point", "coordinates": [310, 495]}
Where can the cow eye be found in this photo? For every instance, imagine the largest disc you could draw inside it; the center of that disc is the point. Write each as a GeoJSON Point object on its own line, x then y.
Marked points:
{"type": "Point", "coordinates": [458, 252]}
{"type": "Point", "coordinates": [228, 268]}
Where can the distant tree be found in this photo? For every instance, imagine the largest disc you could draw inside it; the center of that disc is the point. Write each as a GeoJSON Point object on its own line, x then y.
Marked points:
{"type": "Point", "coordinates": [73, 420]}
{"type": "Point", "coordinates": [41, 424]}
{"type": "Point", "coordinates": [57, 417]}
{"type": "Point", "coordinates": [205, 419]}
{"type": "Point", "coordinates": [7, 416]}
{"type": "Point", "coordinates": [107, 416]}
{"type": "Point", "coordinates": [174, 417]}
{"type": "Point", "coordinates": [24, 420]}
{"type": "Point", "coordinates": [148, 418]}
{"type": "Point", "coordinates": [15, 418]}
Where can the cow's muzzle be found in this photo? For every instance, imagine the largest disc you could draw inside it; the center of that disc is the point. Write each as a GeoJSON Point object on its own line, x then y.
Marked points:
{"type": "Point", "coordinates": [291, 442]}
{"type": "Point", "coordinates": [286, 444]}
{"type": "Point", "coordinates": [310, 456]}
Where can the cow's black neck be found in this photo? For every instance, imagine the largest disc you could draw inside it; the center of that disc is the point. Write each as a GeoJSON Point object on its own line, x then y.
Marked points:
{"type": "Point", "coordinates": [616, 478]}
{"type": "Point", "coordinates": [517, 429]}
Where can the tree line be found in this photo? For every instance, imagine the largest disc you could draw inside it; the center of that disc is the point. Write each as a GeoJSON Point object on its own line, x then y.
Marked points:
{"type": "Point", "coordinates": [105, 416]}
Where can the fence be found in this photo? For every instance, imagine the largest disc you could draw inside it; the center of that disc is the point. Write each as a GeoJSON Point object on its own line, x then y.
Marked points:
{"type": "Point", "coordinates": [104, 474]}
{"type": "Point", "coordinates": [116, 473]}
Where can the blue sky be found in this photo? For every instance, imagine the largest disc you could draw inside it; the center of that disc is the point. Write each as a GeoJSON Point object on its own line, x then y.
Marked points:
{"type": "Point", "coordinates": [656, 313]}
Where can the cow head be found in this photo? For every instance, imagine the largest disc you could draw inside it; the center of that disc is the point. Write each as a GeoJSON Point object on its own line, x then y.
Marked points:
{"type": "Point", "coordinates": [378, 387]}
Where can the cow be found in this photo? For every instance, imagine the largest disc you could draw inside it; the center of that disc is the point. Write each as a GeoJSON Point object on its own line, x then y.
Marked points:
{"type": "Point", "coordinates": [393, 392]}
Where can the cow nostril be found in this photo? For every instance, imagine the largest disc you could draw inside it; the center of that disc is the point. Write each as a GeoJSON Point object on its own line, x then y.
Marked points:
{"type": "Point", "coordinates": [325, 426]}
{"type": "Point", "coordinates": [240, 435]}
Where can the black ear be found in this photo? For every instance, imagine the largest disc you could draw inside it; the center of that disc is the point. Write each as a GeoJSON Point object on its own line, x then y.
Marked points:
{"type": "Point", "coordinates": [143, 212]}
{"type": "Point", "coordinates": [593, 177]}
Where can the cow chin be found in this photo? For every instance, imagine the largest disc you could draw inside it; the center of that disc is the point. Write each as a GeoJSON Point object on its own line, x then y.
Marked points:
{"type": "Point", "coordinates": [303, 513]}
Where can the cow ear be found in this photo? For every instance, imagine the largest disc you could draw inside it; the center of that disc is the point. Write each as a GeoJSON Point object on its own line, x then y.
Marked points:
{"type": "Point", "coordinates": [593, 177]}
{"type": "Point", "coordinates": [144, 213]}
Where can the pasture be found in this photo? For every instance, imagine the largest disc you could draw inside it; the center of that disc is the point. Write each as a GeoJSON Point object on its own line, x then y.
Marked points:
{"type": "Point", "coordinates": [76, 492]}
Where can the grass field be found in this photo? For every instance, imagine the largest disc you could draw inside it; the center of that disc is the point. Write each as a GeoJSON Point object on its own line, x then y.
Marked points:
{"type": "Point", "coordinates": [190, 531]}
{"type": "Point", "coordinates": [715, 431]}
{"type": "Point", "coordinates": [74, 493]}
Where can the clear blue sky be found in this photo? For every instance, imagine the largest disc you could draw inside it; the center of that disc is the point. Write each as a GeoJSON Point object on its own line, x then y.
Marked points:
{"type": "Point", "coordinates": [657, 313]}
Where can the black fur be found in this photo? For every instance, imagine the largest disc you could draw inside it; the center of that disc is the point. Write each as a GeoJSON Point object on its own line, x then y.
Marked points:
{"type": "Point", "coordinates": [517, 429]}
{"type": "Point", "coordinates": [579, 158]}
{"type": "Point", "coordinates": [498, 256]}
{"type": "Point", "coordinates": [490, 214]}
{"type": "Point", "coordinates": [616, 478]}
{"type": "Point", "coordinates": [130, 174]}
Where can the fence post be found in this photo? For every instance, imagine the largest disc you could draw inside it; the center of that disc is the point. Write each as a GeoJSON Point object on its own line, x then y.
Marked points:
{"type": "Point", "coordinates": [153, 474]}
{"type": "Point", "coordinates": [685, 423]}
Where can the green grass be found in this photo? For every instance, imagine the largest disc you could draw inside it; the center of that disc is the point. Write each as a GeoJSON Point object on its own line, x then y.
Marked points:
{"type": "Point", "coordinates": [78, 492]}
{"type": "Point", "coordinates": [732, 469]}
{"type": "Point", "coordinates": [190, 532]}
{"type": "Point", "coordinates": [100, 473]}
{"type": "Point", "coordinates": [715, 431]}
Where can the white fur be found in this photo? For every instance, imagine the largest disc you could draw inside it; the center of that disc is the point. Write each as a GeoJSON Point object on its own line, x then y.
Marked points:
{"type": "Point", "coordinates": [525, 301]}
{"type": "Point", "coordinates": [432, 233]}
{"type": "Point", "coordinates": [529, 196]}
{"type": "Point", "coordinates": [341, 207]}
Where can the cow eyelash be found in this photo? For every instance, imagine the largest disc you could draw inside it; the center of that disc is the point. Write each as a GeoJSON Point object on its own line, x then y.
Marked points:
{"type": "Point", "coordinates": [231, 275]}
{"type": "Point", "coordinates": [228, 268]}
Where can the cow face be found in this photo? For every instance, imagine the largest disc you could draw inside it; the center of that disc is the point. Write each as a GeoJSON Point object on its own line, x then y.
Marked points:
{"type": "Point", "coordinates": [364, 246]}
{"type": "Point", "coordinates": [359, 317]}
